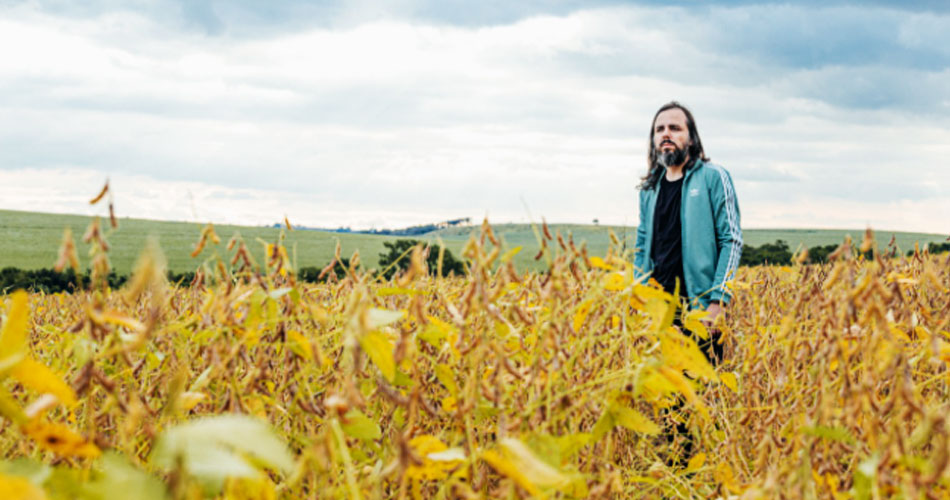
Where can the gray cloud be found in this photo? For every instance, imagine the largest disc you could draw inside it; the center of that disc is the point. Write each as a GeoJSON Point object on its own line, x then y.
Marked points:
{"type": "Point", "coordinates": [409, 117]}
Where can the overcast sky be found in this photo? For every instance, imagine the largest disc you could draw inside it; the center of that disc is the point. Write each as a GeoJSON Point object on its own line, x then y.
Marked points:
{"type": "Point", "coordinates": [387, 114]}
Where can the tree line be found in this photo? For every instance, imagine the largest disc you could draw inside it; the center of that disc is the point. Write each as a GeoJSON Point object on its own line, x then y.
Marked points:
{"type": "Point", "coordinates": [395, 259]}
{"type": "Point", "coordinates": [779, 253]}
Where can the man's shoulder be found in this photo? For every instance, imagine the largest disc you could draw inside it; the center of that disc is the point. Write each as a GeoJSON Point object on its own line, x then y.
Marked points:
{"type": "Point", "coordinates": [713, 172]}
{"type": "Point", "coordinates": [711, 167]}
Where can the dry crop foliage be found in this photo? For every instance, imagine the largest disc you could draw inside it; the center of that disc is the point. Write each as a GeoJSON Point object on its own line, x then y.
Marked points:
{"type": "Point", "coordinates": [247, 384]}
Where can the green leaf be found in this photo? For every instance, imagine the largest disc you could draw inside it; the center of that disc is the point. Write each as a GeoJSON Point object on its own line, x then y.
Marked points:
{"type": "Point", "coordinates": [865, 479]}
{"type": "Point", "coordinates": [380, 351]}
{"type": "Point", "coordinates": [604, 425]}
{"type": "Point", "coordinates": [572, 443]}
{"type": "Point", "coordinates": [402, 380]}
{"type": "Point", "coordinates": [358, 425]}
{"type": "Point", "coordinates": [830, 433]}
{"type": "Point", "coordinates": [447, 377]}
{"type": "Point", "coordinates": [35, 472]}
{"type": "Point", "coordinates": [557, 450]}
{"type": "Point", "coordinates": [217, 447]}
{"type": "Point", "coordinates": [9, 408]}
{"type": "Point", "coordinates": [434, 335]}
{"type": "Point", "coordinates": [118, 475]}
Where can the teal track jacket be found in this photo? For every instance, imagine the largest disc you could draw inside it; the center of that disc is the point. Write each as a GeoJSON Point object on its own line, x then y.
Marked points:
{"type": "Point", "coordinates": [712, 236]}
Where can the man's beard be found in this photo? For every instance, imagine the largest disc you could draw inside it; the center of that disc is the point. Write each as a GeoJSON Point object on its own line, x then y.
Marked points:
{"type": "Point", "coordinates": [671, 158]}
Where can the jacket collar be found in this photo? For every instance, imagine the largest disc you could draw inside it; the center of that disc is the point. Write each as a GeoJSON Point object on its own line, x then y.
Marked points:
{"type": "Point", "coordinates": [696, 165]}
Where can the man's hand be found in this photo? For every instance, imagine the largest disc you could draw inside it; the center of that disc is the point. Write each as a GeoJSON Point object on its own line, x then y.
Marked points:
{"type": "Point", "coordinates": [714, 309]}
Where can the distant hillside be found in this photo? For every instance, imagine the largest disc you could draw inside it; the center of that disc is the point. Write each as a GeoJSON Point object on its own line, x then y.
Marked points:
{"type": "Point", "coordinates": [407, 231]}
{"type": "Point", "coordinates": [30, 240]}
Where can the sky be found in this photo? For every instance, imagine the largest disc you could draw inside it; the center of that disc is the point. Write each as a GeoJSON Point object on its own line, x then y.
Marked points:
{"type": "Point", "coordinates": [387, 114]}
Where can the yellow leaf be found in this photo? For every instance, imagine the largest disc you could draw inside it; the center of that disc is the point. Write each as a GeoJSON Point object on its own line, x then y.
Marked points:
{"type": "Point", "coordinates": [635, 303]}
{"type": "Point", "coordinates": [599, 263]}
{"type": "Point", "coordinates": [737, 285]}
{"type": "Point", "coordinates": [449, 404]}
{"type": "Point", "coordinates": [631, 419]}
{"type": "Point", "coordinates": [535, 470]}
{"type": "Point", "coordinates": [189, 399]}
{"type": "Point", "coordinates": [250, 488]}
{"type": "Point", "coordinates": [41, 379]}
{"type": "Point", "coordinates": [387, 291]}
{"type": "Point", "coordinates": [681, 352]}
{"type": "Point", "coordinates": [649, 292]}
{"type": "Point", "coordinates": [683, 386]}
{"type": "Point", "coordinates": [257, 406]}
{"type": "Point", "coordinates": [380, 351]}
{"type": "Point", "coordinates": [19, 488]}
{"type": "Point", "coordinates": [724, 475]}
{"type": "Point", "coordinates": [504, 467]}
{"type": "Point", "coordinates": [581, 315]}
{"type": "Point", "coordinates": [117, 318]}
{"type": "Point", "coordinates": [728, 379]}
{"type": "Point", "coordinates": [447, 378]}
{"type": "Point", "coordinates": [425, 446]}
{"type": "Point", "coordinates": [614, 282]}
{"type": "Point", "coordinates": [13, 335]}
{"type": "Point", "coordinates": [693, 322]}
{"type": "Point", "coordinates": [376, 318]}
{"type": "Point", "coordinates": [60, 439]}
{"type": "Point", "coordinates": [9, 408]}
{"type": "Point", "coordinates": [517, 462]}
{"type": "Point", "coordinates": [654, 387]}
{"type": "Point", "coordinates": [696, 462]}
{"type": "Point", "coordinates": [507, 256]}
{"type": "Point", "coordinates": [300, 345]}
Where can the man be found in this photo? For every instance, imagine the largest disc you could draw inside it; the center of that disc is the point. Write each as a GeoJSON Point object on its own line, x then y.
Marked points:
{"type": "Point", "coordinates": [689, 235]}
{"type": "Point", "coordinates": [689, 218]}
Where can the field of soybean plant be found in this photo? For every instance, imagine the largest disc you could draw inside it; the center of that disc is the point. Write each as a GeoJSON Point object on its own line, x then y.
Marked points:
{"type": "Point", "coordinates": [503, 383]}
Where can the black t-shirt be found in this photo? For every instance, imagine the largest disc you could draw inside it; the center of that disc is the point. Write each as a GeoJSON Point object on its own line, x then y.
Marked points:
{"type": "Point", "coordinates": [667, 249]}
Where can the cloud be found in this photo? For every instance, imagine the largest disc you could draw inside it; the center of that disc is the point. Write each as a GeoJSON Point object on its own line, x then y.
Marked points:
{"type": "Point", "coordinates": [401, 115]}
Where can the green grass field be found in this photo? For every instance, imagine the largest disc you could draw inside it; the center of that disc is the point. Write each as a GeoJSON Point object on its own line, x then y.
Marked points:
{"type": "Point", "coordinates": [30, 240]}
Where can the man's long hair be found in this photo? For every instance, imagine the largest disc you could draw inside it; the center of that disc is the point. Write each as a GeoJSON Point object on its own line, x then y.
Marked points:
{"type": "Point", "coordinates": [695, 148]}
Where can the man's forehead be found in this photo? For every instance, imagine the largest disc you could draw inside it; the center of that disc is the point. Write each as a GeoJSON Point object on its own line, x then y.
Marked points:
{"type": "Point", "coordinates": [670, 116]}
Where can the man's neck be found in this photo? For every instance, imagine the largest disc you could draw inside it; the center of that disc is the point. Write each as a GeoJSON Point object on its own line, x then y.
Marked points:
{"type": "Point", "coordinates": [675, 172]}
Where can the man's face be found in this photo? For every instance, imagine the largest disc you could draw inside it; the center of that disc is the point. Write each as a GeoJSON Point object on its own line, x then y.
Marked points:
{"type": "Point", "coordinates": [671, 138]}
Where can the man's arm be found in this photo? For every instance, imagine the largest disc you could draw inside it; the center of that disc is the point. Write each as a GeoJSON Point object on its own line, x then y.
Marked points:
{"type": "Point", "coordinates": [728, 236]}
{"type": "Point", "coordinates": [639, 255]}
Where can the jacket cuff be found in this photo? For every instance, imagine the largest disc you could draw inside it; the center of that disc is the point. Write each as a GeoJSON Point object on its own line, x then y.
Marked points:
{"type": "Point", "coordinates": [718, 296]}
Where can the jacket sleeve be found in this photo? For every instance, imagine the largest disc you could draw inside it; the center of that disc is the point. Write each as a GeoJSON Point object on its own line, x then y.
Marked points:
{"type": "Point", "coordinates": [639, 259]}
{"type": "Point", "coordinates": [728, 233]}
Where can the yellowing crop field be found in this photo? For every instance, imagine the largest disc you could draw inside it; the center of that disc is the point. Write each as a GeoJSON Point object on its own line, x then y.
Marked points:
{"type": "Point", "coordinates": [498, 384]}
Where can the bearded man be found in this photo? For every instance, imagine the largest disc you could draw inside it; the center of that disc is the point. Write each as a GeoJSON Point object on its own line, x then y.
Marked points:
{"type": "Point", "coordinates": [689, 235]}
